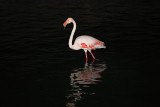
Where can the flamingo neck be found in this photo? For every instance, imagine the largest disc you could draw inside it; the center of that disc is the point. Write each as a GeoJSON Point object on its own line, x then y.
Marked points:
{"type": "Point", "coordinates": [71, 36]}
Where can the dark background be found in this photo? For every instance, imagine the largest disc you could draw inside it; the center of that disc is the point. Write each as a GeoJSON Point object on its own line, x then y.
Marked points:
{"type": "Point", "coordinates": [37, 64]}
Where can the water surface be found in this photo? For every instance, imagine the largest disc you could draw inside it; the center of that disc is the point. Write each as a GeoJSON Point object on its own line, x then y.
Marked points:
{"type": "Point", "coordinates": [40, 70]}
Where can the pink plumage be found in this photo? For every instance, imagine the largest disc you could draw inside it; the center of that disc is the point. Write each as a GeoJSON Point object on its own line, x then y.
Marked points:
{"type": "Point", "coordinates": [87, 43]}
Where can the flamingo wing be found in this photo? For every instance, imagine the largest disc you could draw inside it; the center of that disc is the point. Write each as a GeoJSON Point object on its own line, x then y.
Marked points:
{"type": "Point", "coordinates": [88, 42]}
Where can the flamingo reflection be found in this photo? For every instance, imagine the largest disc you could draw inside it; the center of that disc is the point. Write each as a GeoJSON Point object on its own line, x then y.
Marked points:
{"type": "Point", "coordinates": [82, 78]}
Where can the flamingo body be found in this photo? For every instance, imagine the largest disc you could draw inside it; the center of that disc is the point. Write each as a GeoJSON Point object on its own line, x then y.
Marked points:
{"type": "Point", "coordinates": [87, 43]}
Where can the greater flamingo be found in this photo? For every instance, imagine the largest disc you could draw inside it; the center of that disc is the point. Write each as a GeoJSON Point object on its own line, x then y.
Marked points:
{"type": "Point", "coordinates": [85, 42]}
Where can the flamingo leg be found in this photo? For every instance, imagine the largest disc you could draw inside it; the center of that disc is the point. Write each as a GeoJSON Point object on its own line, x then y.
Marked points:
{"type": "Point", "coordinates": [92, 55]}
{"type": "Point", "coordinates": [85, 51]}
{"type": "Point", "coordinates": [86, 56]}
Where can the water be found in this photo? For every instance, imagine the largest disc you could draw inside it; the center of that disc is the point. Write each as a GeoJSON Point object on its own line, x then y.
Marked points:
{"type": "Point", "coordinates": [40, 70]}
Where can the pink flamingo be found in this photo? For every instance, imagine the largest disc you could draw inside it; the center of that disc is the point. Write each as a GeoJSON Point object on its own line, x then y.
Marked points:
{"type": "Point", "coordinates": [87, 43]}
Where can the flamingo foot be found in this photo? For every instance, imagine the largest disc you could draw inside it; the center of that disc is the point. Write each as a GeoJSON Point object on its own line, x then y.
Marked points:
{"type": "Point", "coordinates": [96, 59]}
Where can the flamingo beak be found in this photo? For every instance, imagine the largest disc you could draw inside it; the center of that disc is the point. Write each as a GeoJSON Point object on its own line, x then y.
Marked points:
{"type": "Point", "coordinates": [65, 24]}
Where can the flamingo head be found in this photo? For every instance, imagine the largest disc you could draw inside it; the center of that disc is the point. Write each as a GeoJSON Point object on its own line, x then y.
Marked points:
{"type": "Point", "coordinates": [68, 21]}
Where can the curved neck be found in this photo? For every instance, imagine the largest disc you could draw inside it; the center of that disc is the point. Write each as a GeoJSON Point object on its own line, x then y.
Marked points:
{"type": "Point", "coordinates": [72, 34]}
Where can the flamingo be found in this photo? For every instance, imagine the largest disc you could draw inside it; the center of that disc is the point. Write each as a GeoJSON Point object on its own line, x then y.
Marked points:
{"type": "Point", "coordinates": [85, 42]}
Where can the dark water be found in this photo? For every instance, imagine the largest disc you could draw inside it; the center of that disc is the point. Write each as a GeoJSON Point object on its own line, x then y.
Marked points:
{"type": "Point", "coordinates": [39, 69]}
